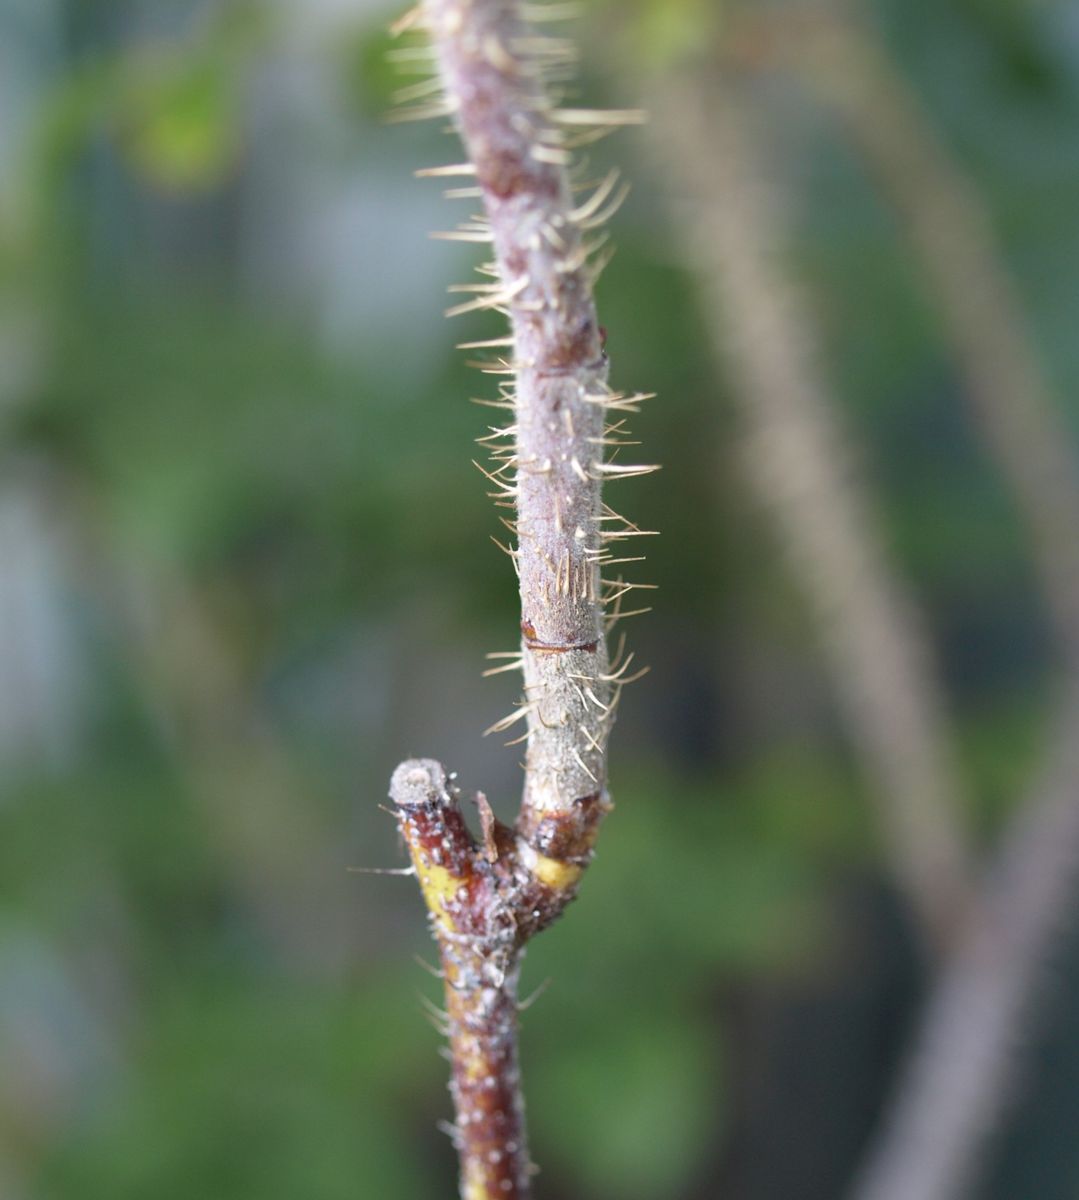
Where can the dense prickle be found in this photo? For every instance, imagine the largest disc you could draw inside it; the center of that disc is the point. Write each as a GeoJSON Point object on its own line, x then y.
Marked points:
{"type": "Point", "coordinates": [568, 726]}
{"type": "Point", "coordinates": [558, 355]}
{"type": "Point", "coordinates": [558, 508]}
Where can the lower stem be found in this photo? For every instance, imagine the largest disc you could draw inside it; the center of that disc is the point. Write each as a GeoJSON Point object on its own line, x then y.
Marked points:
{"type": "Point", "coordinates": [478, 902]}
{"type": "Point", "coordinates": [490, 1129]}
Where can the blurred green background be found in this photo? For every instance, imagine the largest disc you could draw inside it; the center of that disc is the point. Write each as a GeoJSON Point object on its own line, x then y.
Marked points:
{"type": "Point", "coordinates": [245, 569]}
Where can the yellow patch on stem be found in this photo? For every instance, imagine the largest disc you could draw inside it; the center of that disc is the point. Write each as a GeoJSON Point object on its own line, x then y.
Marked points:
{"type": "Point", "coordinates": [474, 1185]}
{"type": "Point", "coordinates": [554, 874]}
{"type": "Point", "coordinates": [440, 888]}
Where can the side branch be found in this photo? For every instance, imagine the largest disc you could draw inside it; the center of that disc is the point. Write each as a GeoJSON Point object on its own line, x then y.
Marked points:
{"type": "Point", "coordinates": [470, 903]}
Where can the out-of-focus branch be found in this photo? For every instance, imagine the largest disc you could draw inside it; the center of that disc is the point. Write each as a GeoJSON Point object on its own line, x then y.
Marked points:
{"type": "Point", "coordinates": [967, 1055]}
{"type": "Point", "coordinates": [965, 1061]}
{"type": "Point", "coordinates": [800, 463]}
{"type": "Point", "coordinates": [952, 235]}
{"type": "Point", "coordinates": [195, 683]}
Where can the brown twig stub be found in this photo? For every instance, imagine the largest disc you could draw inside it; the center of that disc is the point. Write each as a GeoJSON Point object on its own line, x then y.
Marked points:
{"type": "Point", "coordinates": [483, 910]}
{"type": "Point", "coordinates": [471, 904]}
{"type": "Point", "coordinates": [550, 462]}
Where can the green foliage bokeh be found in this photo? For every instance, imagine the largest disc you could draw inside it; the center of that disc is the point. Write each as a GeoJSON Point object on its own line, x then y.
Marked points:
{"type": "Point", "coordinates": [171, 886]}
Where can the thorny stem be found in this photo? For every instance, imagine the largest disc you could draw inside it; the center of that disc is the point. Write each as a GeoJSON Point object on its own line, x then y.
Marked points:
{"type": "Point", "coordinates": [487, 901]}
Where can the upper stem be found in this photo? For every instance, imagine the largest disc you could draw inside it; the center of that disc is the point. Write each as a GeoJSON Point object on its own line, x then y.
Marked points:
{"type": "Point", "coordinates": [492, 71]}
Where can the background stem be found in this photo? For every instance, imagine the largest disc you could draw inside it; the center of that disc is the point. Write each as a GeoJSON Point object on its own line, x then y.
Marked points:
{"type": "Point", "coordinates": [800, 462]}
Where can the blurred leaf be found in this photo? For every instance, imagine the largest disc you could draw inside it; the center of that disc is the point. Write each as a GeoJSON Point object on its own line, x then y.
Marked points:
{"type": "Point", "coordinates": [370, 75]}
{"type": "Point", "coordinates": [249, 1093]}
{"type": "Point", "coordinates": [621, 1056]}
{"type": "Point", "coordinates": [180, 123]}
{"type": "Point", "coordinates": [630, 1101]}
{"type": "Point", "coordinates": [1001, 745]}
{"type": "Point", "coordinates": [659, 33]}
{"type": "Point", "coordinates": [176, 109]}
